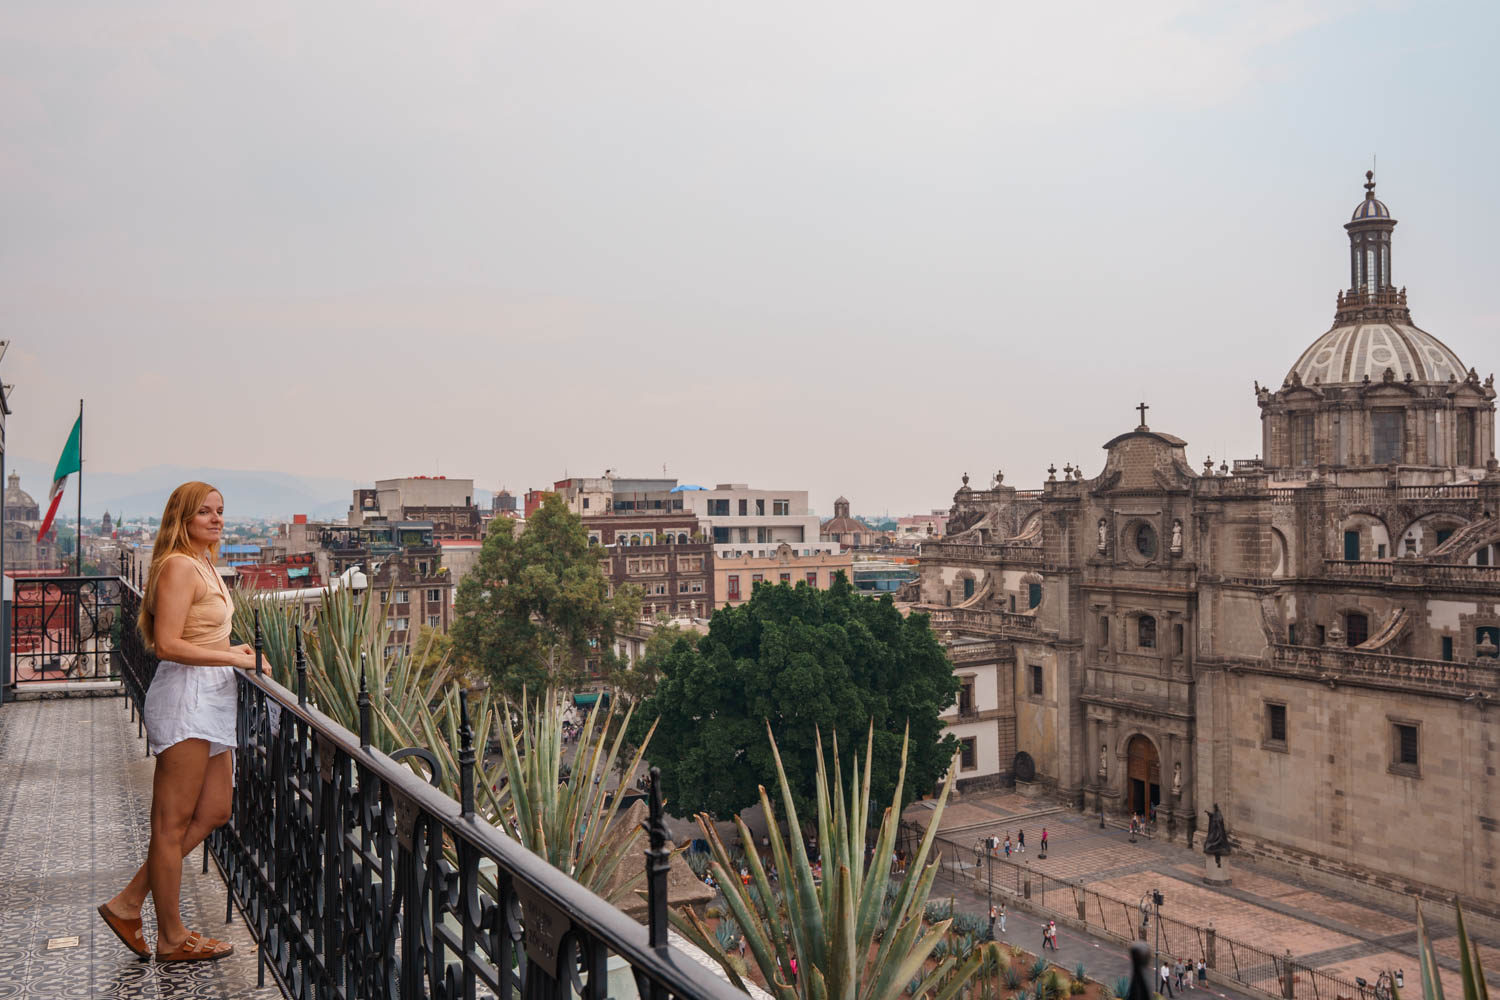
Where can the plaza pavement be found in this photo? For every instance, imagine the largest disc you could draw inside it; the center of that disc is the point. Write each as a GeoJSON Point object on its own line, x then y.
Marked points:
{"type": "Point", "coordinates": [1323, 928]}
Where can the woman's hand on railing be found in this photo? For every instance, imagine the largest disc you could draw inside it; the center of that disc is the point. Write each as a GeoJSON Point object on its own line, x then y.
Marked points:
{"type": "Point", "coordinates": [244, 656]}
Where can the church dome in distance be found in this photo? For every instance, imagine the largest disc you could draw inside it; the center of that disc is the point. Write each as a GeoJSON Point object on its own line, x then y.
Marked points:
{"type": "Point", "coordinates": [18, 503]}
{"type": "Point", "coordinates": [1349, 354]}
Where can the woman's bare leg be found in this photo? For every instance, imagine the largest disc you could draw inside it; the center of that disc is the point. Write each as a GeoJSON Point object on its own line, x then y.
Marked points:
{"type": "Point", "coordinates": [180, 771]}
{"type": "Point", "coordinates": [209, 813]}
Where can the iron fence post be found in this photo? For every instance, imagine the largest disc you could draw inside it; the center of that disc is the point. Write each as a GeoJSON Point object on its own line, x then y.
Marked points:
{"type": "Point", "coordinates": [465, 755]}
{"type": "Point", "coordinates": [301, 669]}
{"type": "Point", "coordinates": [658, 860]}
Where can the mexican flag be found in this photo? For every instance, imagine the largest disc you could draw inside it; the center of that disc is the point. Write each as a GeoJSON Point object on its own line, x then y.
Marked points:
{"type": "Point", "coordinates": [68, 464]}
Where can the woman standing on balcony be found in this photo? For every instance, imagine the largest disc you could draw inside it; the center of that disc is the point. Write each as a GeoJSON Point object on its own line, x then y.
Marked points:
{"type": "Point", "coordinates": [190, 719]}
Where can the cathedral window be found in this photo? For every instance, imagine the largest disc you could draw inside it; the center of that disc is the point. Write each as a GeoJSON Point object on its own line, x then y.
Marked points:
{"type": "Point", "coordinates": [1037, 686]}
{"type": "Point", "coordinates": [1145, 632]}
{"type": "Point", "coordinates": [968, 587]}
{"type": "Point", "coordinates": [1466, 439]}
{"type": "Point", "coordinates": [1302, 439]}
{"type": "Point", "coordinates": [1387, 436]}
{"type": "Point", "coordinates": [1356, 628]}
{"type": "Point", "coordinates": [1145, 540]}
{"type": "Point", "coordinates": [1406, 748]}
{"type": "Point", "coordinates": [1447, 654]}
{"type": "Point", "coordinates": [1034, 594]}
{"type": "Point", "coordinates": [1276, 725]}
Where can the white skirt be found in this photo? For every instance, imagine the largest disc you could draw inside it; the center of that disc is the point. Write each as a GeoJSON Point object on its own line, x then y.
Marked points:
{"type": "Point", "coordinates": [187, 703]}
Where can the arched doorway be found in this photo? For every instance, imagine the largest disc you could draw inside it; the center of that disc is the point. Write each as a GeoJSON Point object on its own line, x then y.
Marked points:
{"type": "Point", "coordinates": [1142, 775]}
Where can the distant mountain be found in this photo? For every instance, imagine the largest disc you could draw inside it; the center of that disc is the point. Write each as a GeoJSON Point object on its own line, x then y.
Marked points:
{"type": "Point", "coordinates": [246, 493]}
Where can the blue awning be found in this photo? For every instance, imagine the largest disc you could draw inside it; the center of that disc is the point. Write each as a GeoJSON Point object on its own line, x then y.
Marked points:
{"type": "Point", "coordinates": [685, 487]}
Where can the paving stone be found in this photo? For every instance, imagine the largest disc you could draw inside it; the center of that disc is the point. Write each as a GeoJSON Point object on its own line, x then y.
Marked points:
{"type": "Point", "coordinates": [74, 822]}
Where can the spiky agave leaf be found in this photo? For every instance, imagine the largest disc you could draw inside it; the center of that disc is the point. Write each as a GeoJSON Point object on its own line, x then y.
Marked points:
{"type": "Point", "coordinates": [830, 928]}
{"type": "Point", "coordinates": [570, 823]}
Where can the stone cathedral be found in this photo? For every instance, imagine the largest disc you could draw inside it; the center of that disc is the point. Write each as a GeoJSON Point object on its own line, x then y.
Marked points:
{"type": "Point", "coordinates": [1308, 639]}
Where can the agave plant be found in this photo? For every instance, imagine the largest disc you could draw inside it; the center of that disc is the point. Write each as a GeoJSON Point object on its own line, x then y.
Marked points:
{"type": "Point", "coordinates": [571, 824]}
{"type": "Point", "coordinates": [1471, 969]}
{"type": "Point", "coordinates": [830, 928]}
{"type": "Point", "coordinates": [1121, 987]}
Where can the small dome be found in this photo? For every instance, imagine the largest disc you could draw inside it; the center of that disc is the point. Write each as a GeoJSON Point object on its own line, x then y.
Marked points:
{"type": "Point", "coordinates": [15, 498]}
{"type": "Point", "coordinates": [1371, 208]}
{"type": "Point", "coordinates": [1347, 354]}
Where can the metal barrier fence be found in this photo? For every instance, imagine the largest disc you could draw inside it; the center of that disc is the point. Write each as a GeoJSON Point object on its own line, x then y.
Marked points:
{"type": "Point", "coordinates": [64, 628]}
{"type": "Point", "coordinates": [359, 879]}
{"type": "Point", "coordinates": [1273, 975]}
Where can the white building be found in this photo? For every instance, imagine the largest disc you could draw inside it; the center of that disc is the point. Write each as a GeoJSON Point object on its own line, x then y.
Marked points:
{"type": "Point", "coordinates": [743, 521]}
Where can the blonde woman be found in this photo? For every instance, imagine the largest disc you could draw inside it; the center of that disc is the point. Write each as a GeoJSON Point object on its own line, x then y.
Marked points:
{"type": "Point", "coordinates": [190, 719]}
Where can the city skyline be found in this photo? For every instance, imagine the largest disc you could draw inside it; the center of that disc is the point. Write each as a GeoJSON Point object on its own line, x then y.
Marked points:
{"type": "Point", "coordinates": [722, 238]}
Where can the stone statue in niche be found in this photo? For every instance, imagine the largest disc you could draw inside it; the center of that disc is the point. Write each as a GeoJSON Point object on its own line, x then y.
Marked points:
{"type": "Point", "coordinates": [1103, 535]}
{"type": "Point", "coordinates": [1176, 536]}
{"type": "Point", "coordinates": [1103, 760]}
{"type": "Point", "coordinates": [1177, 779]}
{"type": "Point", "coordinates": [1216, 842]}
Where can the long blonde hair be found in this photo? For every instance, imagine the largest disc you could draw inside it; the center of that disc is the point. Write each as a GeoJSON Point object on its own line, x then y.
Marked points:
{"type": "Point", "coordinates": [172, 538]}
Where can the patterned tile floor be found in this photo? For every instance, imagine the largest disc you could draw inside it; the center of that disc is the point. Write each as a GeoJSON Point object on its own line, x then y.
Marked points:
{"type": "Point", "coordinates": [75, 795]}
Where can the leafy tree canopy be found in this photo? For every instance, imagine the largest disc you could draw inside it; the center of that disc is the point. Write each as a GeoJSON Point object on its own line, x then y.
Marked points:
{"type": "Point", "coordinates": [804, 659]}
{"type": "Point", "coordinates": [537, 605]}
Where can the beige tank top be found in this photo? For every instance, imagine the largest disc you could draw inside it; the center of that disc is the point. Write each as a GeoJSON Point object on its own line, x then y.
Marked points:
{"type": "Point", "coordinates": [209, 617]}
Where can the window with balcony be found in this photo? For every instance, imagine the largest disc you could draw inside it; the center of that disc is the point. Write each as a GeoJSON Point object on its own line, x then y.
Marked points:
{"type": "Point", "coordinates": [734, 586]}
{"type": "Point", "coordinates": [721, 536]}
{"type": "Point", "coordinates": [718, 507]}
{"type": "Point", "coordinates": [781, 508]}
{"type": "Point", "coordinates": [1447, 648]}
{"type": "Point", "coordinates": [1386, 428]}
{"type": "Point", "coordinates": [760, 507]}
{"type": "Point", "coordinates": [744, 508]}
{"type": "Point", "coordinates": [1356, 628]}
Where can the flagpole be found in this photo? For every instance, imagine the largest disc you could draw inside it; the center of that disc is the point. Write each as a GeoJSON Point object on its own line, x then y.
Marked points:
{"type": "Point", "coordinates": [78, 541]}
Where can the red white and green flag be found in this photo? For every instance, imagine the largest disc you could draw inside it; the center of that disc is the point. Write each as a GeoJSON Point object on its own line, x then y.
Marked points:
{"type": "Point", "coordinates": [69, 463]}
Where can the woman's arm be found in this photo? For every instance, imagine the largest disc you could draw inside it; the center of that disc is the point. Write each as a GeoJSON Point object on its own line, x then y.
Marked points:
{"type": "Point", "coordinates": [176, 590]}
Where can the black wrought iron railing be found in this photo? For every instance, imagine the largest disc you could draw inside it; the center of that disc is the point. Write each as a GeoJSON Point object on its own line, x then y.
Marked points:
{"type": "Point", "coordinates": [64, 628]}
{"type": "Point", "coordinates": [359, 879]}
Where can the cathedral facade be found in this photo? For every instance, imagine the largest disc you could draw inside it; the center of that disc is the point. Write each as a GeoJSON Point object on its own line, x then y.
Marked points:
{"type": "Point", "coordinates": [1307, 640]}
{"type": "Point", "coordinates": [25, 550]}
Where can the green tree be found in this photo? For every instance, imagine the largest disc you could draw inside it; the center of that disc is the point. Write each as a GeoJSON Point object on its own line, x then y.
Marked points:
{"type": "Point", "coordinates": [537, 605]}
{"type": "Point", "coordinates": [638, 680]}
{"type": "Point", "coordinates": [801, 659]}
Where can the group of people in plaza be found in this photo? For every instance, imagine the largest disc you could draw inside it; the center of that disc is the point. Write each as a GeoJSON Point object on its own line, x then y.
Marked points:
{"type": "Point", "coordinates": [995, 844]}
{"type": "Point", "coordinates": [1186, 977]}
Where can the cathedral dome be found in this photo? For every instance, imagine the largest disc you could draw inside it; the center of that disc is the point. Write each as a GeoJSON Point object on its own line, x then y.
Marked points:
{"type": "Point", "coordinates": [18, 503]}
{"type": "Point", "coordinates": [1348, 354]}
{"type": "Point", "coordinates": [1370, 208]}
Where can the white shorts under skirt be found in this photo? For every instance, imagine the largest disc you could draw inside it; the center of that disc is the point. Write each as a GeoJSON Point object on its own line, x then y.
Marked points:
{"type": "Point", "coordinates": [187, 703]}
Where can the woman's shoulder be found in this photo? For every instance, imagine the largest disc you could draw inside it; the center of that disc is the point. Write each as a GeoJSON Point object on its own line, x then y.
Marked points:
{"type": "Point", "coordinates": [178, 566]}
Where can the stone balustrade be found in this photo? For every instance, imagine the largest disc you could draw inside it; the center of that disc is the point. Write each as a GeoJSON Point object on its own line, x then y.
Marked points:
{"type": "Point", "coordinates": [1340, 665]}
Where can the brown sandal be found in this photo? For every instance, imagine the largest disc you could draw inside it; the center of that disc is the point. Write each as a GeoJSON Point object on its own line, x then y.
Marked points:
{"type": "Point", "coordinates": [127, 930]}
{"type": "Point", "coordinates": [197, 948]}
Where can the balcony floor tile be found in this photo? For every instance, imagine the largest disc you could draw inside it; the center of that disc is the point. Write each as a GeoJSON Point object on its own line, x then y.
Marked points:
{"type": "Point", "coordinates": [75, 800]}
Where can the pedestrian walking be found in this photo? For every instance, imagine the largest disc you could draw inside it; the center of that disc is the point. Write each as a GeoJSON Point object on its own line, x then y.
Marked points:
{"type": "Point", "coordinates": [190, 716]}
{"type": "Point", "coordinates": [994, 916]}
{"type": "Point", "coordinates": [1165, 975]}
{"type": "Point", "coordinates": [1007, 845]}
{"type": "Point", "coordinates": [1202, 975]}
{"type": "Point", "coordinates": [1046, 936]}
{"type": "Point", "coordinates": [1052, 933]}
{"type": "Point", "coordinates": [1020, 841]}
{"type": "Point", "coordinates": [1044, 840]}
{"type": "Point", "coordinates": [1179, 972]}
{"type": "Point", "coordinates": [1002, 918]}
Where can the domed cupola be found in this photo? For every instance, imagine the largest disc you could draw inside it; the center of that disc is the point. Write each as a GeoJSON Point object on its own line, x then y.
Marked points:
{"type": "Point", "coordinates": [1376, 391]}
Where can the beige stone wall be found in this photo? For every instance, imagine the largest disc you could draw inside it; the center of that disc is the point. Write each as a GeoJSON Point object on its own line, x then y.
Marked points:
{"type": "Point", "coordinates": [826, 564]}
{"type": "Point", "coordinates": [1332, 791]}
{"type": "Point", "coordinates": [1037, 716]}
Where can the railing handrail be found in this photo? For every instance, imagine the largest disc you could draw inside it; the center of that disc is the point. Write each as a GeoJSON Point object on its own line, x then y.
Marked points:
{"type": "Point", "coordinates": [625, 937]}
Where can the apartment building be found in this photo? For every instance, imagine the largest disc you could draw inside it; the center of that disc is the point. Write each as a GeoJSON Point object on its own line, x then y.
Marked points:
{"type": "Point", "coordinates": [447, 503]}
{"type": "Point", "coordinates": [664, 554]}
{"type": "Point", "coordinates": [735, 576]}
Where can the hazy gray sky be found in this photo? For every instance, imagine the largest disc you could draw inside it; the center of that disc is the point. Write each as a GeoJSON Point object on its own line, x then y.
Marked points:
{"type": "Point", "coordinates": [857, 248]}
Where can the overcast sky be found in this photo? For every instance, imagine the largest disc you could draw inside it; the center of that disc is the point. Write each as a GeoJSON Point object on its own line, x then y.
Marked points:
{"type": "Point", "coordinates": [856, 248]}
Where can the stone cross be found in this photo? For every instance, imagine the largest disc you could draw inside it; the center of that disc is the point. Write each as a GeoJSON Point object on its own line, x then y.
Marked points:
{"type": "Point", "coordinates": [1143, 408]}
